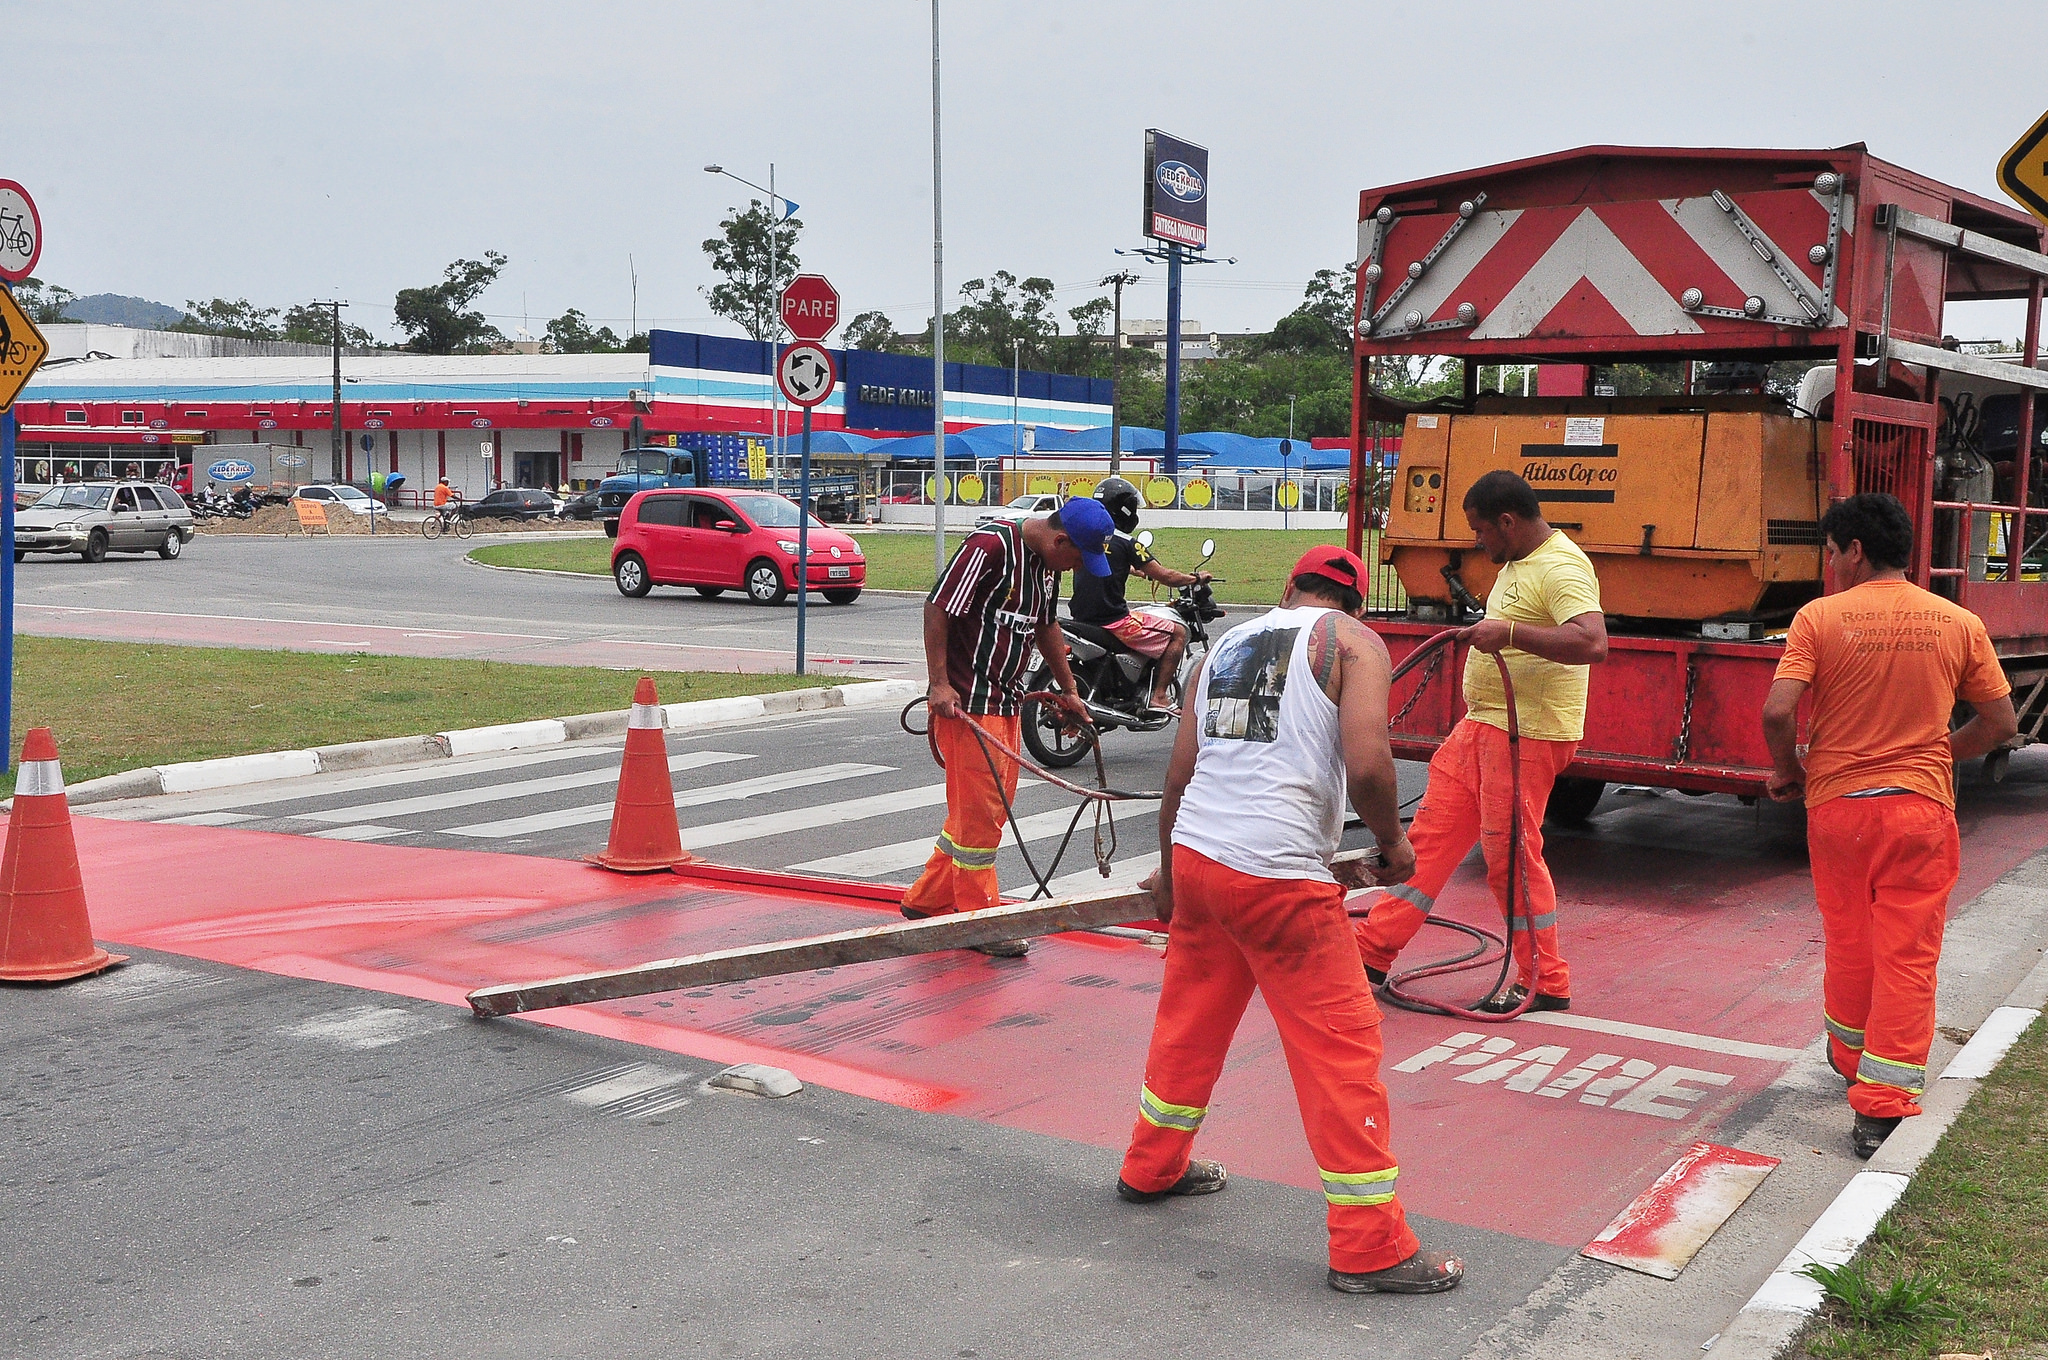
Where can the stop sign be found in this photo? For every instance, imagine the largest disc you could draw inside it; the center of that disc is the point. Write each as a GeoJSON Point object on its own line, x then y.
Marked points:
{"type": "Point", "coordinates": [810, 307]}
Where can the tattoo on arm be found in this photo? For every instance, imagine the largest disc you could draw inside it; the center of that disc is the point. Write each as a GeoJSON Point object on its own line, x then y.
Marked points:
{"type": "Point", "coordinates": [1323, 650]}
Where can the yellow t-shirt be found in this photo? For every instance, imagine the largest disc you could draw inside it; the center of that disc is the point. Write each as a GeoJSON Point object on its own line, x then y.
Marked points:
{"type": "Point", "coordinates": [1549, 587]}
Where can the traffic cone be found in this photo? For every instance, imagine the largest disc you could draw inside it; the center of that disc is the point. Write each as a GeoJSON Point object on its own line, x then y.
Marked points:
{"type": "Point", "coordinates": [644, 838]}
{"type": "Point", "coordinates": [44, 933]}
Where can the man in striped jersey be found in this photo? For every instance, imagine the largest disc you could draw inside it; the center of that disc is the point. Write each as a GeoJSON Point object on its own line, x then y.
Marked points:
{"type": "Point", "coordinates": [995, 600]}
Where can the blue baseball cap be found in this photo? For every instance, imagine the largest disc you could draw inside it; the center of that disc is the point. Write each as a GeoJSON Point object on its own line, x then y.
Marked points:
{"type": "Point", "coordinates": [1087, 525]}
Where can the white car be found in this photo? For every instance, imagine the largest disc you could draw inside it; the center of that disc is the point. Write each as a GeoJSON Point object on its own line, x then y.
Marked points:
{"type": "Point", "coordinates": [1036, 506]}
{"type": "Point", "coordinates": [352, 498]}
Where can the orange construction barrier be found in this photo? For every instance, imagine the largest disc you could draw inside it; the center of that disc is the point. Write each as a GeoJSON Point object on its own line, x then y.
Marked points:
{"type": "Point", "coordinates": [645, 837]}
{"type": "Point", "coordinates": [44, 933]}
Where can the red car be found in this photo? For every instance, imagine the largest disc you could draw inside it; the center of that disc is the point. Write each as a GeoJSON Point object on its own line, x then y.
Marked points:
{"type": "Point", "coordinates": [717, 541]}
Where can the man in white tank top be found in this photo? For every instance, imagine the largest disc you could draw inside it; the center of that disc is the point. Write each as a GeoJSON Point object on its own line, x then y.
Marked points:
{"type": "Point", "coordinates": [1288, 716]}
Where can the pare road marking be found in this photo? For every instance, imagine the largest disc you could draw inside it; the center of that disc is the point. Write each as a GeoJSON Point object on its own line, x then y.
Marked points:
{"type": "Point", "coordinates": [1610, 1080]}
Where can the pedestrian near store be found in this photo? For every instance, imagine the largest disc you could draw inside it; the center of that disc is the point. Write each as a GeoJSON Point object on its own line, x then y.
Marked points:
{"type": "Point", "coordinates": [1543, 616]}
{"type": "Point", "coordinates": [993, 603]}
{"type": "Point", "coordinates": [1885, 663]}
{"type": "Point", "coordinates": [1288, 717]}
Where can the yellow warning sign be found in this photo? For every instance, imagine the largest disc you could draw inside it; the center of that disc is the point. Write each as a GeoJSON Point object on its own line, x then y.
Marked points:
{"type": "Point", "coordinates": [22, 347]}
{"type": "Point", "coordinates": [2023, 171]}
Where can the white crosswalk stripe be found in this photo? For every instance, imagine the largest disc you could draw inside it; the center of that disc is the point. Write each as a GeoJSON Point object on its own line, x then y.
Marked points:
{"type": "Point", "coordinates": [901, 856]}
{"type": "Point", "coordinates": [801, 819]}
{"type": "Point", "coordinates": [492, 793]}
{"type": "Point", "coordinates": [600, 812]}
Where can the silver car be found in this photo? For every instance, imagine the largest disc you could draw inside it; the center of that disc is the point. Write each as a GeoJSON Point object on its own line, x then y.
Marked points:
{"type": "Point", "coordinates": [93, 519]}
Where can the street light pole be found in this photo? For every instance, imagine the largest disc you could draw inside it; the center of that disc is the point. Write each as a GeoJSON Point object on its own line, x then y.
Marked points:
{"type": "Point", "coordinates": [774, 327]}
{"type": "Point", "coordinates": [1116, 355]}
{"type": "Point", "coordinates": [1286, 449]}
{"type": "Point", "coordinates": [335, 445]}
{"type": "Point", "coordinates": [1016, 370]}
{"type": "Point", "coordinates": [938, 326]}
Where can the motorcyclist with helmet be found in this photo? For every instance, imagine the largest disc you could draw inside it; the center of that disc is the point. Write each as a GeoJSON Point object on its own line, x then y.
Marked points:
{"type": "Point", "coordinates": [1100, 600]}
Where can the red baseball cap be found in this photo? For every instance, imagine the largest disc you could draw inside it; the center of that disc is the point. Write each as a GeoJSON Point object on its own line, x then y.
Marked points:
{"type": "Point", "coordinates": [1334, 564]}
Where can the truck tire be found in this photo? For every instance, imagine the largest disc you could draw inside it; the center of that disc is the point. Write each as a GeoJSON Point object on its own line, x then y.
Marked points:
{"type": "Point", "coordinates": [611, 528]}
{"type": "Point", "coordinates": [1572, 800]}
{"type": "Point", "coordinates": [764, 582]}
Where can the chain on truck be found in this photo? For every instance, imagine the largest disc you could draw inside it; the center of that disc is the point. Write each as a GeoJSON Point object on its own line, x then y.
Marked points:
{"type": "Point", "coordinates": [1782, 312]}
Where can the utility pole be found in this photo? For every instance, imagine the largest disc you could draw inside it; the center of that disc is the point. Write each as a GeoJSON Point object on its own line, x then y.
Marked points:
{"type": "Point", "coordinates": [938, 327]}
{"type": "Point", "coordinates": [1116, 356]}
{"type": "Point", "coordinates": [1172, 451]}
{"type": "Point", "coordinates": [334, 472]}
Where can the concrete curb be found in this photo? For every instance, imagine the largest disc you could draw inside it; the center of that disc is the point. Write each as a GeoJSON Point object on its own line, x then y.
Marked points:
{"type": "Point", "coordinates": [1771, 1322]}
{"type": "Point", "coordinates": [696, 715]}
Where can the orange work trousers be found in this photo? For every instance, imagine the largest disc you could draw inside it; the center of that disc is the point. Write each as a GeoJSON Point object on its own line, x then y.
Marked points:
{"type": "Point", "coordinates": [1882, 872]}
{"type": "Point", "coordinates": [961, 873]}
{"type": "Point", "coordinates": [1291, 939]}
{"type": "Point", "coordinates": [1470, 797]}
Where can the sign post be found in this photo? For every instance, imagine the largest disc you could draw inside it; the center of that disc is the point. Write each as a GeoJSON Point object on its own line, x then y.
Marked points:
{"type": "Point", "coordinates": [2023, 171]}
{"type": "Point", "coordinates": [22, 348]}
{"type": "Point", "coordinates": [1176, 212]}
{"type": "Point", "coordinates": [806, 375]}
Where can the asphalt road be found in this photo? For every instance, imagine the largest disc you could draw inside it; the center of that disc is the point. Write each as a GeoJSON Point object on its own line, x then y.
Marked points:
{"type": "Point", "coordinates": [402, 595]}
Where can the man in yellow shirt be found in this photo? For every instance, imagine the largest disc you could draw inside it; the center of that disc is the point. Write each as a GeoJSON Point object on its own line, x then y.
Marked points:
{"type": "Point", "coordinates": [1543, 615]}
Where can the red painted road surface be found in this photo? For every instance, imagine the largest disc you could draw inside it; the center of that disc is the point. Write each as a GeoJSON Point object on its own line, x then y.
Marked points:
{"type": "Point", "coordinates": [298, 635]}
{"type": "Point", "coordinates": [1547, 1139]}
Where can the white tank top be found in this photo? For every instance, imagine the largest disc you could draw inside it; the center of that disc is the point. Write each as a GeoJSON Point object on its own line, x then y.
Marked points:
{"type": "Point", "coordinates": [1267, 797]}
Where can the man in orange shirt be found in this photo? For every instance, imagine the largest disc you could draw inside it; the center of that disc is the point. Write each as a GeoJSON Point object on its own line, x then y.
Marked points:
{"type": "Point", "coordinates": [1886, 662]}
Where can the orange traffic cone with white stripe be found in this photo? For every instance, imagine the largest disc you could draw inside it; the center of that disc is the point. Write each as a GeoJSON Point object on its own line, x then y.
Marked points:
{"type": "Point", "coordinates": [44, 933]}
{"type": "Point", "coordinates": [645, 838]}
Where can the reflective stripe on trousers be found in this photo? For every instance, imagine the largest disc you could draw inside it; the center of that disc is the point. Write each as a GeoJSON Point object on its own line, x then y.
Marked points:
{"type": "Point", "coordinates": [1360, 1187]}
{"type": "Point", "coordinates": [967, 856]}
{"type": "Point", "coordinates": [1164, 1114]}
{"type": "Point", "coordinates": [1836, 1029]}
{"type": "Point", "coordinates": [1884, 1072]}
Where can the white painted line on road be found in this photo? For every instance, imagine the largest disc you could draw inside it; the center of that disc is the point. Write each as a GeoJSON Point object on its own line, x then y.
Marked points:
{"type": "Point", "coordinates": [254, 618]}
{"type": "Point", "coordinates": [886, 859]}
{"type": "Point", "coordinates": [364, 1026]}
{"type": "Point", "coordinates": [1674, 1038]}
{"type": "Point", "coordinates": [492, 793]}
{"type": "Point", "coordinates": [360, 833]}
{"type": "Point", "coordinates": [633, 1090]}
{"type": "Point", "coordinates": [321, 786]}
{"type": "Point", "coordinates": [600, 812]}
{"type": "Point", "coordinates": [1123, 873]}
{"type": "Point", "coordinates": [210, 819]}
{"type": "Point", "coordinates": [805, 819]}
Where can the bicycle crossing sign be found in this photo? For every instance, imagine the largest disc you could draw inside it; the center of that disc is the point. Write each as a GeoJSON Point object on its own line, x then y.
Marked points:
{"type": "Point", "coordinates": [22, 347]}
{"type": "Point", "coordinates": [2023, 171]}
{"type": "Point", "coordinates": [806, 373]}
{"type": "Point", "coordinates": [21, 232]}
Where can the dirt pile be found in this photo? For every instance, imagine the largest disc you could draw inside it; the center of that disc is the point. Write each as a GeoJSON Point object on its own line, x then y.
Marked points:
{"type": "Point", "coordinates": [283, 519]}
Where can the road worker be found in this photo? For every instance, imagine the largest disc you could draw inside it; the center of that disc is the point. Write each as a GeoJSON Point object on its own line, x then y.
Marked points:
{"type": "Point", "coordinates": [1287, 716]}
{"type": "Point", "coordinates": [1543, 615]}
{"type": "Point", "coordinates": [1886, 663]}
{"type": "Point", "coordinates": [995, 599]}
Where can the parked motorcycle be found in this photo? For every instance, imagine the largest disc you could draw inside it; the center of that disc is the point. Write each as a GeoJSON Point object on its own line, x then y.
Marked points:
{"type": "Point", "coordinates": [1116, 682]}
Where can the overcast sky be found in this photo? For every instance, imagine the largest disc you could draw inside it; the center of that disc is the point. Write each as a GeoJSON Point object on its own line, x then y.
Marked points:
{"type": "Point", "coordinates": [285, 152]}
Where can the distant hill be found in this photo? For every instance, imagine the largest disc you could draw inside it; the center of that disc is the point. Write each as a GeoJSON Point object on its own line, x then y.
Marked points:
{"type": "Point", "coordinates": [112, 309]}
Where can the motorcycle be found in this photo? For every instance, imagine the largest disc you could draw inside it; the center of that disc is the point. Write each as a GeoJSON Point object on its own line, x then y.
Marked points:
{"type": "Point", "coordinates": [1115, 682]}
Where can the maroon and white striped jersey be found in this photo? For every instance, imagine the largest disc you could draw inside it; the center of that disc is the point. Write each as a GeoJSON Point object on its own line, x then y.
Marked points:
{"type": "Point", "coordinates": [999, 593]}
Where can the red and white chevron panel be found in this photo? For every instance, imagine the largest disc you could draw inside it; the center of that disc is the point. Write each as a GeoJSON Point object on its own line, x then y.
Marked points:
{"type": "Point", "coordinates": [1596, 270]}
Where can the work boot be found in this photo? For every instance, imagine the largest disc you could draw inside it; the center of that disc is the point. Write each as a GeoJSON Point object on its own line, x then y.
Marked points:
{"type": "Point", "coordinates": [1507, 1002]}
{"type": "Point", "coordinates": [1426, 1272]}
{"type": "Point", "coordinates": [1201, 1178]}
{"type": "Point", "coordinates": [1003, 949]}
{"type": "Point", "coordinates": [1376, 976]}
{"type": "Point", "coordinates": [1869, 1132]}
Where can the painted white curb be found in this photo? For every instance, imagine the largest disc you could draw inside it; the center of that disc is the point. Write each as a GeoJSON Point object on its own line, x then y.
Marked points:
{"type": "Point", "coordinates": [695, 715]}
{"type": "Point", "coordinates": [1771, 1321]}
{"type": "Point", "coordinates": [194, 776]}
{"type": "Point", "coordinates": [472, 741]}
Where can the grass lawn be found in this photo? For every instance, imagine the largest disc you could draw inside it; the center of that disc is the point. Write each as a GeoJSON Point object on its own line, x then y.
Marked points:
{"type": "Point", "coordinates": [1974, 1224]}
{"type": "Point", "coordinates": [1252, 561]}
{"type": "Point", "coordinates": [119, 706]}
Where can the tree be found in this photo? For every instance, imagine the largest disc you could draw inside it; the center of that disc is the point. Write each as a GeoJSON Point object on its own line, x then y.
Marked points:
{"type": "Point", "coordinates": [44, 302]}
{"type": "Point", "coordinates": [752, 289]}
{"type": "Point", "coordinates": [437, 320]}
{"type": "Point", "coordinates": [871, 330]}
{"type": "Point", "coordinates": [308, 324]}
{"type": "Point", "coordinates": [571, 334]}
{"type": "Point", "coordinates": [240, 319]}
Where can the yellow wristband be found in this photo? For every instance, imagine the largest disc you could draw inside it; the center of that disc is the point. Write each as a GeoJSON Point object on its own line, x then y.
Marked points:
{"type": "Point", "coordinates": [1511, 632]}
